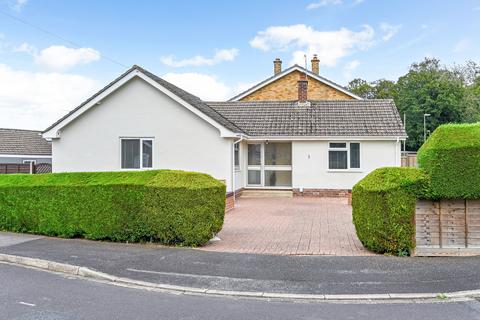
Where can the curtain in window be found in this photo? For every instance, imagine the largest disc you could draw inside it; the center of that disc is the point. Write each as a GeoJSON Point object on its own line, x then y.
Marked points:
{"type": "Point", "coordinates": [337, 160]}
{"type": "Point", "coordinates": [130, 153]}
{"type": "Point", "coordinates": [147, 153]}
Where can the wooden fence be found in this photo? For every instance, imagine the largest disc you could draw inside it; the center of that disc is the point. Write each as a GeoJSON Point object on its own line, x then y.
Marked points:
{"type": "Point", "coordinates": [447, 227]}
{"type": "Point", "coordinates": [8, 168]}
{"type": "Point", "coordinates": [409, 159]}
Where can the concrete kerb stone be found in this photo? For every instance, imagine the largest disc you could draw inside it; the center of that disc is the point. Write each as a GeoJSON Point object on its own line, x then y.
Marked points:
{"type": "Point", "coordinates": [89, 273]}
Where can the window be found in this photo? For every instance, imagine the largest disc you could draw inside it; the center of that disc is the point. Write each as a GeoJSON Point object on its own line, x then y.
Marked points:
{"type": "Point", "coordinates": [343, 155]}
{"type": "Point", "coordinates": [236, 153]}
{"type": "Point", "coordinates": [30, 161]}
{"type": "Point", "coordinates": [137, 153]}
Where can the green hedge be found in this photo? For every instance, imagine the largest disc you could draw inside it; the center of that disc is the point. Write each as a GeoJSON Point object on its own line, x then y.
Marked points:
{"type": "Point", "coordinates": [384, 207]}
{"type": "Point", "coordinates": [169, 207]}
{"type": "Point", "coordinates": [451, 156]}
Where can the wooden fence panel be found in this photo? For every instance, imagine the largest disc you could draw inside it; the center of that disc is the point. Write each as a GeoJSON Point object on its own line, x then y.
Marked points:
{"type": "Point", "coordinates": [447, 227]}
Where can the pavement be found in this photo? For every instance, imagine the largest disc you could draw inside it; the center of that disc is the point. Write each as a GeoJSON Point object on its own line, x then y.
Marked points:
{"type": "Point", "coordinates": [32, 294]}
{"type": "Point", "coordinates": [321, 275]}
{"type": "Point", "coordinates": [290, 226]}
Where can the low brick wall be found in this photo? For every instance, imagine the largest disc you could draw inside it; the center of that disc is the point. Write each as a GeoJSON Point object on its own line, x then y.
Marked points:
{"type": "Point", "coordinates": [326, 193]}
{"type": "Point", "coordinates": [447, 227]}
{"type": "Point", "coordinates": [229, 201]}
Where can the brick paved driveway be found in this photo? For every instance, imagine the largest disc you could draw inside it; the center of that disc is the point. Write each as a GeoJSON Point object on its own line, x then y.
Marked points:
{"type": "Point", "coordinates": [290, 226]}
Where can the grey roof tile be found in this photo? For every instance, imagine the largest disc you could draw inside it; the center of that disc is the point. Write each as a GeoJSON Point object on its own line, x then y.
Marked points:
{"type": "Point", "coordinates": [321, 118]}
{"type": "Point", "coordinates": [23, 142]}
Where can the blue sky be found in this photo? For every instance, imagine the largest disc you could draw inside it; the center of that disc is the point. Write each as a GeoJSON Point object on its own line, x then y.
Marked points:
{"type": "Point", "coordinates": [62, 52]}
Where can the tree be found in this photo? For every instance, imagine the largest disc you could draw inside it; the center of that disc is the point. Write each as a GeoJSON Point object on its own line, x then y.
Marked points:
{"type": "Point", "coordinates": [361, 88]}
{"type": "Point", "coordinates": [429, 88]}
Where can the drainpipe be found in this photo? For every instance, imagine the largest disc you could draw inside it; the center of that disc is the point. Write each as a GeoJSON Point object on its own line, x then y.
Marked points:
{"type": "Point", "coordinates": [233, 166]}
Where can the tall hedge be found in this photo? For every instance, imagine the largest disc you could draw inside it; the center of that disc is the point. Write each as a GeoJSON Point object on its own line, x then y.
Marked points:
{"type": "Point", "coordinates": [169, 207]}
{"type": "Point", "coordinates": [451, 156]}
{"type": "Point", "coordinates": [384, 207]}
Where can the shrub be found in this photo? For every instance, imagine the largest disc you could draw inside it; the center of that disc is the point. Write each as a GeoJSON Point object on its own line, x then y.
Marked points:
{"type": "Point", "coordinates": [169, 207]}
{"type": "Point", "coordinates": [384, 208]}
{"type": "Point", "coordinates": [451, 156]}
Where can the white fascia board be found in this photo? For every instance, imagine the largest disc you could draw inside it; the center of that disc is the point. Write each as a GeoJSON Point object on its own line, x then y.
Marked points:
{"type": "Point", "coordinates": [24, 156]}
{"type": "Point", "coordinates": [332, 138]}
{"type": "Point", "coordinates": [297, 68]}
{"type": "Point", "coordinates": [54, 133]}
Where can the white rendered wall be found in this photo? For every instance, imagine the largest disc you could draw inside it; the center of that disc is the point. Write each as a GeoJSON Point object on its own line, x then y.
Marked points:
{"type": "Point", "coordinates": [182, 140]}
{"type": "Point", "coordinates": [310, 163]}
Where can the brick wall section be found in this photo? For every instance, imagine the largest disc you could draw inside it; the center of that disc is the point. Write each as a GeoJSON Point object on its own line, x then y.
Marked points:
{"type": "Point", "coordinates": [327, 193]}
{"type": "Point", "coordinates": [229, 202]}
{"type": "Point", "coordinates": [286, 88]}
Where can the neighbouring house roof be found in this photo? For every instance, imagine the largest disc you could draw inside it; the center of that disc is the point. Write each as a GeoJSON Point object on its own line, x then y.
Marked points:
{"type": "Point", "coordinates": [375, 118]}
{"type": "Point", "coordinates": [192, 100]}
{"type": "Point", "coordinates": [291, 69]}
{"type": "Point", "coordinates": [23, 142]}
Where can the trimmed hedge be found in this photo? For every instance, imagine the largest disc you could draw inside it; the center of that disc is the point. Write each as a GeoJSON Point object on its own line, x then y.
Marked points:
{"type": "Point", "coordinates": [165, 206]}
{"type": "Point", "coordinates": [451, 156]}
{"type": "Point", "coordinates": [384, 208]}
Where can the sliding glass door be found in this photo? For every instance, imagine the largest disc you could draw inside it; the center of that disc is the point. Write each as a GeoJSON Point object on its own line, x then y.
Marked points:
{"type": "Point", "coordinates": [270, 165]}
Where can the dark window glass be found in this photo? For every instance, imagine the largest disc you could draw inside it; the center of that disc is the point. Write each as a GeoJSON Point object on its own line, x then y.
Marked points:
{"type": "Point", "coordinates": [278, 154]}
{"type": "Point", "coordinates": [236, 149]}
{"type": "Point", "coordinates": [278, 178]}
{"type": "Point", "coordinates": [338, 145]}
{"type": "Point", "coordinates": [131, 153]}
{"type": "Point", "coordinates": [147, 153]}
{"type": "Point", "coordinates": [254, 154]}
{"type": "Point", "coordinates": [337, 160]}
{"type": "Point", "coordinates": [254, 177]}
{"type": "Point", "coordinates": [355, 155]}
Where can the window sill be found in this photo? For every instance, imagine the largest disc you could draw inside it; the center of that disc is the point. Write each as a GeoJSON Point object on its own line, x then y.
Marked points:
{"type": "Point", "coordinates": [345, 170]}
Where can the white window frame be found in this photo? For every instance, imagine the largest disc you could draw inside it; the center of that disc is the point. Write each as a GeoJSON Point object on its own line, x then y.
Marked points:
{"type": "Point", "coordinates": [29, 161]}
{"type": "Point", "coordinates": [262, 167]}
{"type": "Point", "coordinates": [141, 152]}
{"type": "Point", "coordinates": [347, 148]}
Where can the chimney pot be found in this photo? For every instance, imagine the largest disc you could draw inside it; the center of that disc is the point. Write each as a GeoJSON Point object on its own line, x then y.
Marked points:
{"type": "Point", "coordinates": [277, 66]}
{"type": "Point", "coordinates": [315, 64]}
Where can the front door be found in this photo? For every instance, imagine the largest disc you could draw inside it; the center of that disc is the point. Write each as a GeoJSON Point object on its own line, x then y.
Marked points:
{"type": "Point", "coordinates": [270, 165]}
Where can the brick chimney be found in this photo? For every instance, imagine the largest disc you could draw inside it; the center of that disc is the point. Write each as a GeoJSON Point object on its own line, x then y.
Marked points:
{"type": "Point", "coordinates": [277, 66]}
{"type": "Point", "coordinates": [302, 88]}
{"type": "Point", "coordinates": [315, 64]}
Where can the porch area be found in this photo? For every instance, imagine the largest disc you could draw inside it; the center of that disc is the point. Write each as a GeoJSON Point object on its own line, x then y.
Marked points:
{"type": "Point", "coordinates": [290, 226]}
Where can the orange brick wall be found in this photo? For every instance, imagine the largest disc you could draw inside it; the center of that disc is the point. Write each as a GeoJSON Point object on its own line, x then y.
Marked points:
{"type": "Point", "coordinates": [286, 88]}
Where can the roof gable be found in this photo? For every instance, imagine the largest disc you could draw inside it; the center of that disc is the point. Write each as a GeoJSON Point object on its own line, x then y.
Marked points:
{"type": "Point", "coordinates": [186, 99]}
{"type": "Point", "coordinates": [288, 71]}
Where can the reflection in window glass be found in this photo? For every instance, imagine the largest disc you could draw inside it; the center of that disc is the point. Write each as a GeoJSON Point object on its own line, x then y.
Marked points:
{"type": "Point", "coordinates": [278, 154]}
{"type": "Point", "coordinates": [131, 153]}
{"type": "Point", "coordinates": [254, 154]}
{"type": "Point", "coordinates": [147, 153]}
{"type": "Point", "coordinates": [278, 178]}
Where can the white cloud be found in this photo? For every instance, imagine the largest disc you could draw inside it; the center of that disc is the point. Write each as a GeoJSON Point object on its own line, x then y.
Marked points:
{"type": "Point", "coordinates": [462, 46]}
{"type": "Point", "coordinates": [329, 45]}
{"type": "Point", "coordinates": [323, 3]}
{"type": "Point", "coordinates": [35, 100]}
{"type": "Point", "coordinates": [63, 58]}
{"type": "Point", "coordinates": [205, 86]}
{"type": "Point", "coordinates": [59, 58]}
{"type": "Point", "coordinates": [349, 68]}
{"type": "Point", "coordinates": [389, 30]}
{"type": "Point", "coordinates": [220, 56]}
{"type": "Point", "coordinates": [19, 4]}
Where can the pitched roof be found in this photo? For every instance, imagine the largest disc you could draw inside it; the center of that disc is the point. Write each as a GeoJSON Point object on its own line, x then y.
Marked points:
{"type": "Point", "coordinates": [194, 101]}
{"type": "Point", "coordinates": [295, 67]}
{"type": "Point", "coordinates": [321, 119]}
{"type": "Point", "coordinates": [23, 142]}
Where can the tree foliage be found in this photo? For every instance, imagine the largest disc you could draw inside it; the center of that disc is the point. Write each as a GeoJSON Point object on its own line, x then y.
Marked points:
{"type": "Point", "coordinates": [447, 94]}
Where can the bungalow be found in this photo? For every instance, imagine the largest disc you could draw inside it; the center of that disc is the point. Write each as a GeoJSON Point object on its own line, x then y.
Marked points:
{"type": "Point", "coordinates": [271, 136]}
{"type": "Point", "coordinates": [24, 147]}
